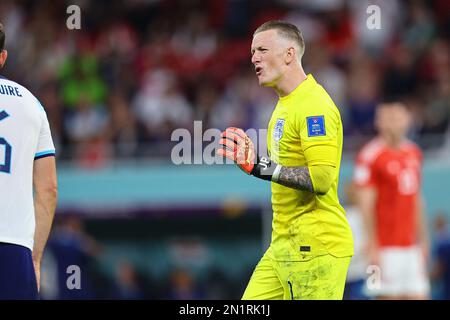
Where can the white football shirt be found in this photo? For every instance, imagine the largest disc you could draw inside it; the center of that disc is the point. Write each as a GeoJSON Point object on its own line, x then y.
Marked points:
{"type": "Point", "coordinates": [24, 137]}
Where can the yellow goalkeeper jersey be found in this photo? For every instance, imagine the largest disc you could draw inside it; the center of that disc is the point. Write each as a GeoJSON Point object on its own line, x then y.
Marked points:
{"type": "Point", "coordinates": [306, 224]}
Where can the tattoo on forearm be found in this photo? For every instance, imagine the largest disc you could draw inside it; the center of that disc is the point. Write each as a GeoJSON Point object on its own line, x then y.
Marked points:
{"type": "Point", "coordinates": [296, 177]}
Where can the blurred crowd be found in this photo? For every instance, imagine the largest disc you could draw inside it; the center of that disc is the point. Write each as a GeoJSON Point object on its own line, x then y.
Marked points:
{"type": "Point", "coordinates": [139, 69]}
{"type": "Point", "coordinates": [102, 274]}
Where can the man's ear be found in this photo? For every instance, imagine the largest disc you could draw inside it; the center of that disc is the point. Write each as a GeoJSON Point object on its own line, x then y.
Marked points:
{"type": "Point", "coordinates": [290, 55]}
{"type": "Point", "coordinates": [3, 56]}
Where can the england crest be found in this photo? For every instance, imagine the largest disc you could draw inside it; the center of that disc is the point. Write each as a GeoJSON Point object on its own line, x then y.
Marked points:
{"type": "Point", "coordinates": [278, 130]}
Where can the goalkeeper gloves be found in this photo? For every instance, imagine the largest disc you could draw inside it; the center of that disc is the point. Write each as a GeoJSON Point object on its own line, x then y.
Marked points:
{"type": "Point", "coordinates": [234, 144]}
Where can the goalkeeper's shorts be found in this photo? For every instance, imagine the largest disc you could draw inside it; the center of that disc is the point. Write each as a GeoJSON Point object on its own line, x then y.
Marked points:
{"type": "Point", "coordinates": [320, 278]}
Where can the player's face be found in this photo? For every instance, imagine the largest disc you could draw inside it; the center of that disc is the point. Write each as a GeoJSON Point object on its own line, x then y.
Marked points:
{"type": "Point", "coordinates": [268, 57]}
{"type": "Point", "coordinates": [393, 120]}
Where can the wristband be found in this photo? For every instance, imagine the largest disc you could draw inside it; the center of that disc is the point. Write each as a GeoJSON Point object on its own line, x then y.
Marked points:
{"type": "Point", "coordinates": [265, 169]}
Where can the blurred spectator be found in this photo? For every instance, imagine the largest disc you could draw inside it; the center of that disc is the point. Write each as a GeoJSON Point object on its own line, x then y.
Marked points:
{"type": "Point", "coordinates": [355, 286]}
{"type": "Point", "coordinates": [127, 285]}
{"type": "Point", "coordinates": [320, 64]}
{"type": "Point", "coordinates": [375, 40]}
{"type": "Point", "coordinates": [419, 28]}
{"type": "Point", "coordinates": [192, 44]}
{"type": "Point", "coordinates": [68, 246]}
{"type": "Point", "coordinates": [183, 286]}
{"type": "Point", "coordinates": [52, 104]}
{"type": "Point", "coordinates": [117, 47]}
{"type": "Point", "coordinates": [441, 261]}
{"type": "Point", "coordinates": [206, 98]}
{"type": "Point", "coordinates": [436, 111]}
{"type": "Point", "coordinates": [160, 105]}
{"type": "Point", "coordinates": [123, 132]}
{"type": "Point", "coordinates": [81, 81]}
{"type": "Point", "coordinates": [363, 94]}
{"type": "Point", "coordinates": [86, 126]}
{"type": "Point", "coordinates": [86, 121]}
{"type": "Point", "coordinates": [218, 286]}
{"type": "Point", "coordinates": [437, 114]}
{"type": "Point", "coordinates": [400, 78]}
{"type": "Point", "coordinates": [238, 106]}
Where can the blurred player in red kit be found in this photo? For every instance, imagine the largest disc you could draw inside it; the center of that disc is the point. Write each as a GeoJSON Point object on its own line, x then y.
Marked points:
{"type": "Point", "coordinates": [388, 177]}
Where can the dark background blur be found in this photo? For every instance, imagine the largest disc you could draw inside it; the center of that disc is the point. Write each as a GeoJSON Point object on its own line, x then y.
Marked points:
{"type": "Point", "coordinates": [114, 91]}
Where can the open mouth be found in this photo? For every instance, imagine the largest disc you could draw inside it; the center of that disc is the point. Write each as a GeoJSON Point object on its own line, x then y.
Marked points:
{"type": "Point", "coordinates": [258, 70]}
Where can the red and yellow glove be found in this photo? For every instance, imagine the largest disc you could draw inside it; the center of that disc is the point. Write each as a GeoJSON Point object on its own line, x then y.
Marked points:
{"type": "Point", "coordinates": [237, 146]}
{"type": "Point", "coordinates": [234, 144]}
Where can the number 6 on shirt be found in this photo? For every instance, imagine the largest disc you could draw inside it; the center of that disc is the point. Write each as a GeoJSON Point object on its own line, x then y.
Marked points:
{"type": "Point", "coordinates": [6, 165]}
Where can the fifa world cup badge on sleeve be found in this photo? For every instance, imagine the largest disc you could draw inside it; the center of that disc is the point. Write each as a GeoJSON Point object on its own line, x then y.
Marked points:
{"type": "Point", "coordinates": [278, 130]}
{"type": "Point", "coordinates": [316, 126]}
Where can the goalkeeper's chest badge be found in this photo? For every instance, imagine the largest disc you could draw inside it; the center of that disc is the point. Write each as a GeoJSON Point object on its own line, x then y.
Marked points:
{"type": "Point", "coordinates": [278, 130]}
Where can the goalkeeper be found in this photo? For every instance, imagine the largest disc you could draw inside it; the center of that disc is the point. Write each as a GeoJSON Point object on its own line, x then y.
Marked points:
{"type": "Point", "coordinates": [312, 243]}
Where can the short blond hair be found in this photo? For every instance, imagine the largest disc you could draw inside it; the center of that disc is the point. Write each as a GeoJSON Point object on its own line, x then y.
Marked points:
{"type": "Point", "coordinates": [286, 30]}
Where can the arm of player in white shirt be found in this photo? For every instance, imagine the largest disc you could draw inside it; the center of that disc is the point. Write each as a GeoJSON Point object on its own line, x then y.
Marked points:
{"type": "Point", "coordinates": [45, 198]}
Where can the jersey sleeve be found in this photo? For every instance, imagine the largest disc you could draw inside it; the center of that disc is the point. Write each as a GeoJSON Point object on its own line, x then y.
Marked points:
{"type": "Point", "coordinates": [364, 172]}
{"type": "Point", "coordinates": [319, 133]}
{"type": "Point", "coordinates": [45, 146]}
